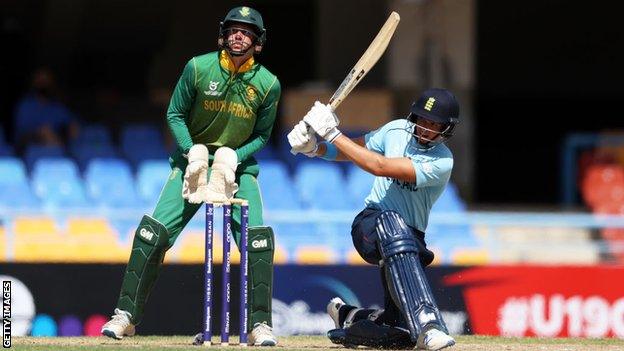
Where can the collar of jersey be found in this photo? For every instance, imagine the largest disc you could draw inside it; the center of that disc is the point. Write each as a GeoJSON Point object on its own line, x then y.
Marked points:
{"type": "Point", "coordinates": [226, 63]}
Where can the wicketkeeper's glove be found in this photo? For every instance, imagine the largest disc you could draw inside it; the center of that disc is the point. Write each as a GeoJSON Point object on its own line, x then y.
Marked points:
{"type": "Point", "coordinates": [195, 182]}
{"type": "Point", "coordinates": [222, 184]}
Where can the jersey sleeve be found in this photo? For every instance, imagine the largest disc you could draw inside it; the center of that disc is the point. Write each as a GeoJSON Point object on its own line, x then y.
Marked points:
{"type": "Point", "coordinates": [180, 106]}
{"type": "Point", "coordinates": [264, 123]}
{"type": "Point", "coordinates": [375, 140]}
{"type": "Point", "coordinates": [433, 173]}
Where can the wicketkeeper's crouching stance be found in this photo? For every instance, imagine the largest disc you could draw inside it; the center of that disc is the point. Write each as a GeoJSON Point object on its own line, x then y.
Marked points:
{"type": "Point", "coordinates": [225, 102]}
{"type": "Point", "coordinates": [412, 166]}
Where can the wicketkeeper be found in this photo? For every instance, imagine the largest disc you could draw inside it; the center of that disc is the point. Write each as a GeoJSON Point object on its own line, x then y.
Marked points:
{"type": "Point", "coordinates": [222, 112]}
{"type": "Point", "coordinates": [412, 166]}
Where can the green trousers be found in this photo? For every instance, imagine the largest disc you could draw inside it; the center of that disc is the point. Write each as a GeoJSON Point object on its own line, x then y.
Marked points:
{"type": "Point", "coordinates": [175, 213]}
{"type": "Point", "coordinates": [157, 234]}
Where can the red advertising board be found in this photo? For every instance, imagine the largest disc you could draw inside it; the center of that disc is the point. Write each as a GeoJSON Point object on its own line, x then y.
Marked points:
{"type": "Point", "coordinates": [543, 301]}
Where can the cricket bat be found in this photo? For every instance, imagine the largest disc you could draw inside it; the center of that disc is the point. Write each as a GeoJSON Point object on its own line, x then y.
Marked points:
{"type": "Point", "coordinates": [367, 61]}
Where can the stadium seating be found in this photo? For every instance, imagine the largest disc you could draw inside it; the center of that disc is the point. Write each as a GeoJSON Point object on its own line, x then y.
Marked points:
{"type": "Point", "coordinates": [95, 176]}
{"type": "Point", "coordinates": [94, 134]}
{"type": "Point", "coordinates": [449, 201]}
{"type": "Point", "coordinates": [151, 177]}
{"type": "Point", "coordinates": [278, 191]}
{"type": "Point", "coordinates": [268, 152]}
{"type": "Point", "coordinates": [110, 183]}
{"type": "Point", "coordinates": [18, 196]}
{"type": "Point", "coordinates": [318, 254]}
{"type": "Point", "coordinates": [15, 191]}
{"type": "Point", "coordinates": [6, 150]}
{"type": "Point", "coordinates": [359, 184]}
{"type": "Point", "coordinates": [85, 153]}
{"type": "Point", "coordinates": [141, 142]}
{"type": "Point", "coordinates": [55, 168]}
{"type": "Point", "coordinates": [321, 186]}
{"type": "Point", "coordinates": [12, 170]}
{"type": "Point", "coordinates": [68, 192]}
{"type": "Point", "coordinates": [37, 238]}
{"type": "Point", "coordinates": [35, 152]}
{"type": "Point", "coordinates": [94, 140]}
{"type": "Point", "coordinates": [93, 240]}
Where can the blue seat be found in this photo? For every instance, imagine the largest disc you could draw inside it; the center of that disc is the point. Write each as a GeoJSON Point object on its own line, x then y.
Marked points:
{"type": "Point", "coordinates": [321, 186]}
{"type": "Point", "coordinates": [336, 234]}
{"type": "Point", "coordinates": [35, 152]}
{"type": "Point", "coordinates": [268, 152]}
{"type": "Point", "coordinates": [137, 154]}
{"type": "Point", "coordinates": [450, 241]}
{"type": "Point", "coordinates": [95, 133]}
{"type": "Point", "coordinates": [449, 200]}
{"type": "Point", "coordinates": [110, 183]}
{"type": "Point", "coordinates": [146, 133]}
{"type": "Point", "coordinates": [140, 135]}
{"type": "Point", "coordinates": [85, 153]}
{"type": "Point", "coordinates": [12, 171]}
{"type": "Point", "coordinates": [151, 177]}
{"type": "Point", "coordinates": [18, 195]}
{"type": "Point", "coordinates": [54, 168]}
{"type": "Point", "coordinates": [57, 182]}
{"type": "Point", "coordinates": [278, 191]}
{"type": "Point", "coordinates": [451, 235]}
{"type": "Point", "coordinates": [67, 192]}
{"type": "Point", "coordinates": [92, 136]}
{"type": "Point", "coordinates": [282, 151]}
{"type": "Point", "coordinates": [291, 235]}
{"type": "Point", "coordinates": [140, 142]}
{"type": "Point", "coordinates": [6, 150]}
{"type": "Point", "coordinates": [359, 183]}
{"type": "Point", "coordinates": [273, 170]}
{"type": "Point", "coordinates": [354, 133]}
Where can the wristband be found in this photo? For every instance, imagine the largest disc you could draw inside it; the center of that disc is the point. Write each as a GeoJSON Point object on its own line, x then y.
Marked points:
{"type": "Point", "coordinates": [332, 135]}
{"type": "Point", "coordinates": [331, 151]}
{"type": "Point", "coordinates": [313, 152]}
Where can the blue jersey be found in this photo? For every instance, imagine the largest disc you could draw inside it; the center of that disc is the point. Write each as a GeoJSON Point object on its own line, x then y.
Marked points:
{"type": "Point", "coordinates": [433, 167]}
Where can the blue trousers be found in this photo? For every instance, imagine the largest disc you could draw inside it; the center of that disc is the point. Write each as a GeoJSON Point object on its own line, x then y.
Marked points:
{"type": "Point", "coordinates": [364, 236]}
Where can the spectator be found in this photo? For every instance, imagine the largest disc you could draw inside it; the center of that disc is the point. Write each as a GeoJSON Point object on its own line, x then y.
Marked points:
{"type": "Point", "coordinates": [40, 117]}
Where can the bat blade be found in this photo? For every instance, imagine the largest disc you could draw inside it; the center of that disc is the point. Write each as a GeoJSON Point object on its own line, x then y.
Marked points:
{"type": "Point", "coordinates": [367, 61]}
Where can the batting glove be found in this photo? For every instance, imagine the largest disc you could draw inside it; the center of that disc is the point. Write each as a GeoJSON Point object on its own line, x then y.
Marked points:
{"type": "Point", "coordinates": [323, 121]}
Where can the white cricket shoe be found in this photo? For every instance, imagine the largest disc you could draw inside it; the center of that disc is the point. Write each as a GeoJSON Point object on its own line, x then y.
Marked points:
{"type": "Point", "coordinates": [119, 325]}
{"type": "Point", "coordinates": [262, 335]}
{"type": "Point", "coordinates": [434, 339]}
{"type": "Point", "coordinates": [332, 310]}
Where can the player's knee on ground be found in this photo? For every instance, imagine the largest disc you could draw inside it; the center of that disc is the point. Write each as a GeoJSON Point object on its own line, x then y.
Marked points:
{"type": "Point", "coordinates": [261, 247]}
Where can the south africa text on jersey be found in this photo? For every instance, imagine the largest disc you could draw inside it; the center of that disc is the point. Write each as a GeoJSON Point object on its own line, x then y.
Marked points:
{"type": "Point", "coordinates": [233, 108]}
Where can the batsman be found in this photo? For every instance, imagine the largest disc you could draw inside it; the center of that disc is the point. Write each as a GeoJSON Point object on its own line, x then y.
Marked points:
{"type": "Point", "coordinates": [412, 166]}
{"type": "Point", "coordinates": [221, 112]}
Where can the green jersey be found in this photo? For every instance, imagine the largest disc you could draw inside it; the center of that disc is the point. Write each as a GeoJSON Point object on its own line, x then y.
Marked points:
{"type": "Point", "coordinates": [215, 105]}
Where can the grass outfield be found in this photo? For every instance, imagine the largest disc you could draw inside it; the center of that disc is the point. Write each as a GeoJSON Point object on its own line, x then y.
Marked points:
{"type": "Point", "coordinates": [170, 343]}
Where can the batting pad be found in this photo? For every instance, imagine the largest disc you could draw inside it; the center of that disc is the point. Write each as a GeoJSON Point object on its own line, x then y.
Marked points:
{"type": "Point", "coordinates": [406, 279]}
{"type": "Point", "coordinates": [261, 247]}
